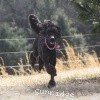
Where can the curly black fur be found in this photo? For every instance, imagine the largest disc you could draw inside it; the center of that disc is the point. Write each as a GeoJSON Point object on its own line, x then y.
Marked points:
{"type": "Point", "coordinates": [42, 28]}
{"type": "Point", "coordinates": [35, 23]}
{"type": "Point", "coordinates": [46, 57]}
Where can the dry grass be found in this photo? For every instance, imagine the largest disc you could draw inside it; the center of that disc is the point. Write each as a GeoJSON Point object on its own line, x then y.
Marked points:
{"type": "Point", "coordinates": [77, 61]}
{"type": "Point", "coordinates": [79, 75]}
{"type": "Point", "coordinates": [81, 82]}
{"type": "Point", "coordinates": [42, 78]}
{"type": "Point", "coordinates": [74, 61]}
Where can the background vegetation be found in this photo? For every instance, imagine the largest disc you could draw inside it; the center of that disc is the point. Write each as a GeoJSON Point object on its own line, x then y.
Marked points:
{"type": "Point", "coordinates": [75, 17]}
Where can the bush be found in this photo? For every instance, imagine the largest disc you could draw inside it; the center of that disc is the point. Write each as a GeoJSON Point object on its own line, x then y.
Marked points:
{"type": "Point", "coordinates": [75, 38]}
{"type": "Point", "coordinates": [11, 31]}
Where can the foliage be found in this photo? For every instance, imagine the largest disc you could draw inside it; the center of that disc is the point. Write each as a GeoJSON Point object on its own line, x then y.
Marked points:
{"type": "Point", "coordinates": [46, 9]}
{"type": "Point", "coordinates": [14, 22]}
{"type": "Point", "coordinates": [8, 31]}
{"type": "Point", "coordinates": [89, 11]}
{"type": "Point", "coordinates": [75, 38]}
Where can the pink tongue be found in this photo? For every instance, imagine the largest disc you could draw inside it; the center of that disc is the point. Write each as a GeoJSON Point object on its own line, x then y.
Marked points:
{"type": "Point", "coordinates": [57, 46]}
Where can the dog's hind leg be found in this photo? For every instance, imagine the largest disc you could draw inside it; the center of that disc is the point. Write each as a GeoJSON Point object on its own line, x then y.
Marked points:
{"type": "Point", "coordinates": [33, 57]}
{"type": "Point", "coordinates": [41, 64]}
{"type": "Point", "coordinates": [34, 54]}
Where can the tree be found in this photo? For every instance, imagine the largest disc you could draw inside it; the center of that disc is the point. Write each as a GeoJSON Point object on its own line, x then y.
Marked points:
{"type": "Point", "coordinates": [10, 31]}
{"type": "Point", "coordinates": [75, 38]}
{"type": "Point", "coordinates": [89, 11]}
{"type": "Point", "coordinates": [17, 10]}
{"type": "Point", "coordinates": [45, 9]}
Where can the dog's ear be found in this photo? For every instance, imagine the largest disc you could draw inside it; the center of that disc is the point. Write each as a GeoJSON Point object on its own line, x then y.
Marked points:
{"type": "Point", "coordinates": [33, 18]}
{"type": "Point", "coordinates": [35, 23]}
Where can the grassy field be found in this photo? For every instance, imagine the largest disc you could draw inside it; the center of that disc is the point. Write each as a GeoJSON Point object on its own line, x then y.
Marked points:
{"type": "Point", "coordinates": [78, 79]}
{"type": "Point", "coordinates": [71, 85]}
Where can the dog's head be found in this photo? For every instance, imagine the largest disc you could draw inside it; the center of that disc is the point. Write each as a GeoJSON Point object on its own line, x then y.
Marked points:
{"type": "Point", "coordinates": [53, 32]}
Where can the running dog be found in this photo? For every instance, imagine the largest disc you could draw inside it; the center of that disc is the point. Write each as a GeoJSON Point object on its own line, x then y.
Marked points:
{"type": "Point", "coordinates": [45, 46]}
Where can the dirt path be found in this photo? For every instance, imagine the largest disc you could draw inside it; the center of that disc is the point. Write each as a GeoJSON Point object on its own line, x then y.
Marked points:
{"type": "Point", "coordinates": [71, 85]}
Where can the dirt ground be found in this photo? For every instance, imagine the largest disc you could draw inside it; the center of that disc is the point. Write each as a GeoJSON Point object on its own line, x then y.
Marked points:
{"type": "Point", "coordinates": [70, 86]}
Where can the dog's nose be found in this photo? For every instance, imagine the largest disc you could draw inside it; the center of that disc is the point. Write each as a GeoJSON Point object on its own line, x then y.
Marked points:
{"type": "Point", "coordinates": [52, 37]}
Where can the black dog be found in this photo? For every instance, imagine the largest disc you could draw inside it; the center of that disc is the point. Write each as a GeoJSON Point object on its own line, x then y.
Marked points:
{"type": "Point", "coordinates": [44, 46]}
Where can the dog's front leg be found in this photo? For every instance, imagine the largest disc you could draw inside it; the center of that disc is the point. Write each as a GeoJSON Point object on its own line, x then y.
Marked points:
{"type": "Point", "coordinates": [50, 70]}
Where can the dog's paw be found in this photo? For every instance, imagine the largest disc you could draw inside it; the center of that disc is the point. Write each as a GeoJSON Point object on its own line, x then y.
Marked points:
{"type": "Point", "coordinates": [51, 84]}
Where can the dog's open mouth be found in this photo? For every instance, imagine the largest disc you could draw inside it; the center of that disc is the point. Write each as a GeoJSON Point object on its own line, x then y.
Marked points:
{"type": "Point", "coordinates": [52, 42]}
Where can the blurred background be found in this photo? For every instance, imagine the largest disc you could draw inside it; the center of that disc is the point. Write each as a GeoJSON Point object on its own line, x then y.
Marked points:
{"type": "Point", "coordinates": [79, 21]}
